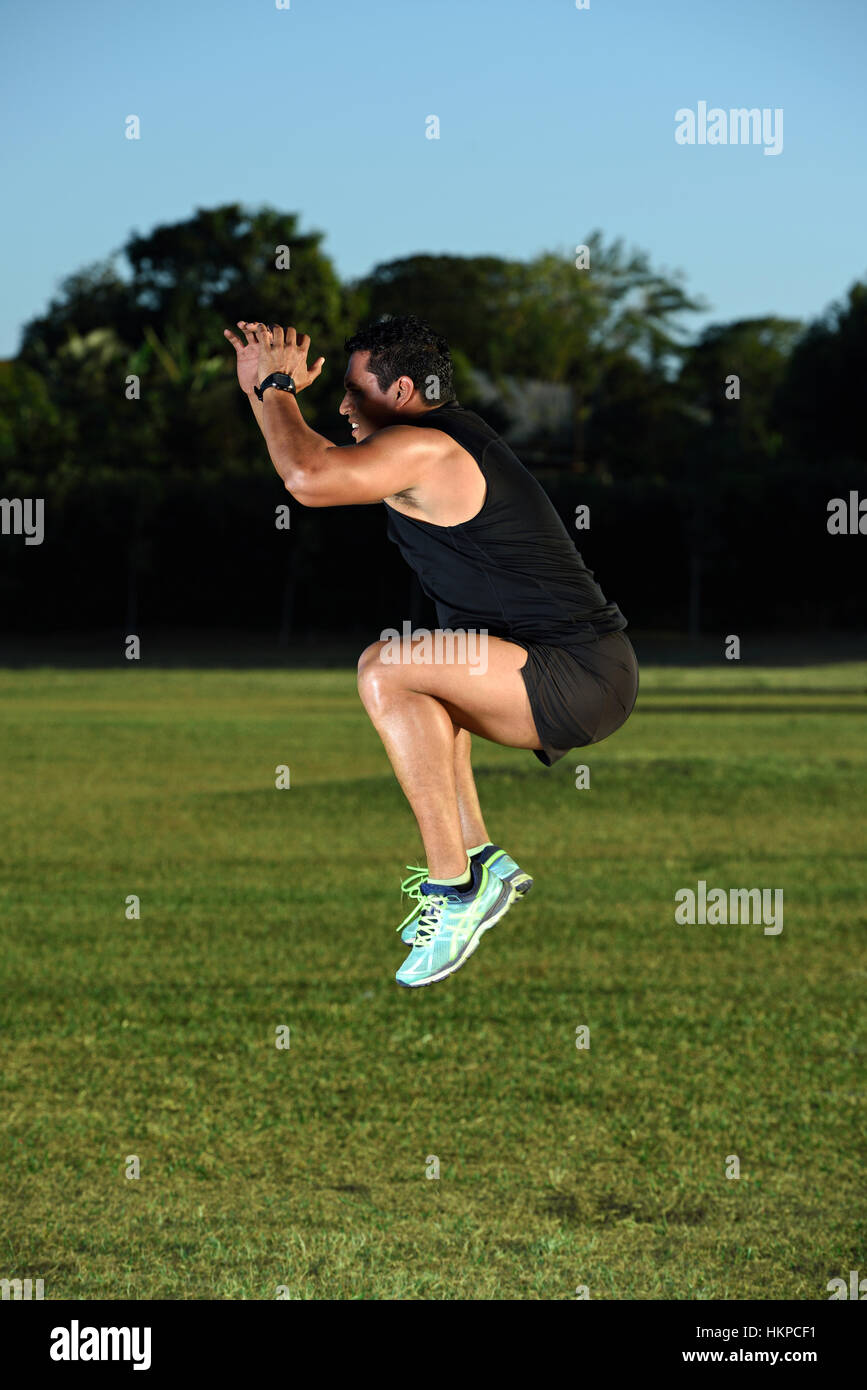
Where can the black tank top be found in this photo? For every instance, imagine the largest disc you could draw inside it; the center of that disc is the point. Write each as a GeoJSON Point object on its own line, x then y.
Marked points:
{"type": "Point", "coordinates": [512, 569]}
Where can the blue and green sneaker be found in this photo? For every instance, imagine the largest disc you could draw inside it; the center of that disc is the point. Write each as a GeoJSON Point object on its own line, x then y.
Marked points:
{"type": "Point", "coordinates": [496, 860]}
{"type": "Point", "coordinates": [504, 866]}
{"type": "Point", "coordinates": [451, 922]}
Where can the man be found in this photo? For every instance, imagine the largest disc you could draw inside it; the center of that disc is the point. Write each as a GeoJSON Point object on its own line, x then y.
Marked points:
{"type": "Point", "coordinates": [490, 549]}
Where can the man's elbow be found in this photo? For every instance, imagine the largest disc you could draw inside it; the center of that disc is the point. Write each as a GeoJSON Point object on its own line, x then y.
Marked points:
{"type": "Point", "coordinates": [303, 489]}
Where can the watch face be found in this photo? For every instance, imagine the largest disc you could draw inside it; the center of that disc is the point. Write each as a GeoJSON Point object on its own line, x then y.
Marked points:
{"type": "Point", "coordinates": [280, 380]}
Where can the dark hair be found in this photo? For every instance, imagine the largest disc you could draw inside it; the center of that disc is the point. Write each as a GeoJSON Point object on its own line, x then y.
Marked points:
{"type": "Point", "coordinates": [404, 345]}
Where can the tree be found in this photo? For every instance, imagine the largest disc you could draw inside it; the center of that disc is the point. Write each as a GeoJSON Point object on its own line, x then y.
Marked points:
{"type": "Point", "coordinates": [725, 435]}
{"type": "Point", "coordinates": [820, 401]}
{"type": "Point", "coordinates": [190, 280]}
{"type": "Point", "coordinates": [34, 435]}
{"type": "Point", "coordinates": [544, 320]}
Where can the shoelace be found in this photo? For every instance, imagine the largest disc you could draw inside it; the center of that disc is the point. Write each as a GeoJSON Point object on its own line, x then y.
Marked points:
{"type": "Point", "coordinates": [430, 917]}
{"type": "Point", "coordinates": [412, 887]}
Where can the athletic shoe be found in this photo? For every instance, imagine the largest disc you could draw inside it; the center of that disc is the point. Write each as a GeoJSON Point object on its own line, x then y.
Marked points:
{"type": "Point", "coordinates": [504, 866]}
{"type": "Point", "coordinates": [412, 887]}
{"type": "Point", "coordinates": [451, 923]}
{"type": "Point", "coordinates": [496, 860]}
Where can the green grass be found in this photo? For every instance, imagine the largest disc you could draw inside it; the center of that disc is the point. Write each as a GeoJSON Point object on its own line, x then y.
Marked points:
{"type": "Point", "coordinates": [306, 1168]}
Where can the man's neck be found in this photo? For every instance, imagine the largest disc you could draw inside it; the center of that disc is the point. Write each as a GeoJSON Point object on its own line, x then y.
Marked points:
{"type": "Point", "coordinates": [429, 409]}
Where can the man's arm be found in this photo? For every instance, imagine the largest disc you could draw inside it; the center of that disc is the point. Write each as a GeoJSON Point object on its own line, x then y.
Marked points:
{"type": "Point", "coordinates": [314, 470]}
{"type": "Point", "coordinates": [321, 474]}
{"type": "Point", "coordinates": [258, 409]}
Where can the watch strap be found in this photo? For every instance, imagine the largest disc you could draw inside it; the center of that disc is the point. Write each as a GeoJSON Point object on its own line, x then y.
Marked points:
{"type": "Point", "coordinates": [281, 380]}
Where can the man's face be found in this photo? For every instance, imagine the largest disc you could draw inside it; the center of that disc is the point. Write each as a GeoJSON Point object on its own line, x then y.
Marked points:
{"type": "Point", "coordinates": [367, 407]}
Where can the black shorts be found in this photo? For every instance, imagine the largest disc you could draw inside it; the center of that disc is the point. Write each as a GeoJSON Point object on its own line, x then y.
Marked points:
{"type": "Point", "coordinates": [580, 693]}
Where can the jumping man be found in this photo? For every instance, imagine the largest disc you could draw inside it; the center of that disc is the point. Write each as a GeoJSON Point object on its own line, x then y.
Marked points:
{"type": "Point", "coordinates": [491, 551]}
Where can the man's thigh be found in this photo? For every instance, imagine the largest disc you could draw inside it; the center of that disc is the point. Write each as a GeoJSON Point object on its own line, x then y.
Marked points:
{"type": "Point", "coordinates": [477, 679]}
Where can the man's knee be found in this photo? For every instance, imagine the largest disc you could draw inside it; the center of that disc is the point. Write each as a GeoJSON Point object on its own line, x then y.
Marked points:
{"type": "Point", "coordinates": [373, 673]}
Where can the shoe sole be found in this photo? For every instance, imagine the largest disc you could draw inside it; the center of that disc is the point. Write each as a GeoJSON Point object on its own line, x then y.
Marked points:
{"type": "Point", "coordinates": [521, 883]}
{"type": "Point", "coordinates": [470, 947]}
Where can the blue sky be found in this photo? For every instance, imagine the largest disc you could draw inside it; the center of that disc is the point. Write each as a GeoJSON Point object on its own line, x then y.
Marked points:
{"type": "Point", "coordinates": [553, 121]}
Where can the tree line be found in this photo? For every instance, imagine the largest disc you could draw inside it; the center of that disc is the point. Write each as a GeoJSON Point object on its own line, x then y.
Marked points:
{"type": "Point", "coordinates": [706, 462]}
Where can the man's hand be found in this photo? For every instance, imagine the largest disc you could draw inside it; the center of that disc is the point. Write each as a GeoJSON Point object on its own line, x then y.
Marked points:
{"type": "Point", "coordinates": [247, 355]}
{"type": "Point", "coordinates": [265, 350]}
{"type": "Point", "coordinates": [279, 353]}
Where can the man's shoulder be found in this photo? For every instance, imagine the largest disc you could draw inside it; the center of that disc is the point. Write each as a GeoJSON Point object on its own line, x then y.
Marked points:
{"type": "Point", "coordinates": [435, 439]}
{"type": "Point", "coordinates": [460, 424]}
{"type": "Point", "coordinates": [396, 437]}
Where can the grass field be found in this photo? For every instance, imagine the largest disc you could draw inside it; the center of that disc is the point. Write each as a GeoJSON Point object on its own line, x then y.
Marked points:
{"type": "Point", "coordinates": [305, 1167]}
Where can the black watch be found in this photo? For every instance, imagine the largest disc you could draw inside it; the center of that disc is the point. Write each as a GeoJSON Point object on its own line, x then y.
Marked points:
{"type": "Point", "coordinates": [278, 379]}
